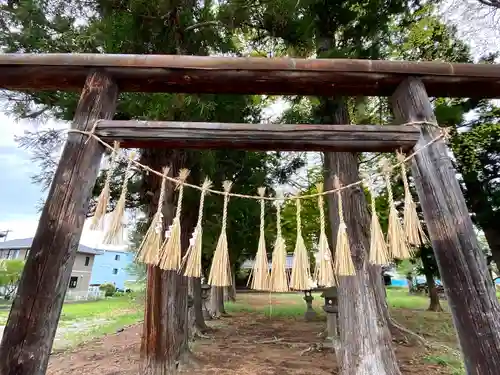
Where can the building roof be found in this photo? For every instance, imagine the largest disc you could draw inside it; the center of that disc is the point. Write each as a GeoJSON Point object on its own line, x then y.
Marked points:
{"type": "Point", "coordinates": [25, 243]}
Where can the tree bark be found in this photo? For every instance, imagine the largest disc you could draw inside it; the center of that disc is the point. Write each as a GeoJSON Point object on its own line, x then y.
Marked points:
{"type": "Point", "coordinates": [409, 280]}
{"type": "Point", "coordinates": [164, 345]}
{"type": "Point", "coordinates": [462, 266]}
{"type": "Point", "coordinates": [217, 301]}
{"type": "Point", "coordinates": [434, 303]}
{"type": "Point", "coordinates": [198, 305]}
{"type": "Point", "coordinates": [230, 291]}
{"type": "Point", "coordinates": [365, 341]}
{"type": "Point", "coordinates": [32, 323]}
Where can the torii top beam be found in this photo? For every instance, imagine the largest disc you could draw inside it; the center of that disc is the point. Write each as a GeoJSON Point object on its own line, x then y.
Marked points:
{"type": "Point", "coordinates": [247, 75]}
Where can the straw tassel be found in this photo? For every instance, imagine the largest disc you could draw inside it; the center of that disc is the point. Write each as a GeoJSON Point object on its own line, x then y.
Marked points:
{"type": "Point", "coordinates": [103, 200]}
{"type": "Point", "coordinates": [260, 274]}
{"type": "Point", "coordinates": [170, 254]}
{"type": "Point", "coordinates": [411, 224]}
{"type": "Point", "coordinates": [114, 235]}
{"type": "Point", "coordinates": [220, 271]}
{"type": "Point", "coordinates": [278, 279]}
{"type": "Point", "coordinates": [191, 262]}
{"type": "Point", "coordinates": [395, 234]}
{"type": "Point", "coordinates": [323, 273]}
{"type": "Point", "coordinates": [378, 248]}
{"type": "Point", "coordinates": [301, 273]}
{"type": "Point", "coordinates": [149, 250]}
{"type": "Point", "coordinates": [343, 264]}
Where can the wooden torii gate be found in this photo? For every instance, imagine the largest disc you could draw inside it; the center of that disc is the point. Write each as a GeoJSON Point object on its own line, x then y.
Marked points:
{"type": "Point", "coordinates": [31, 327]}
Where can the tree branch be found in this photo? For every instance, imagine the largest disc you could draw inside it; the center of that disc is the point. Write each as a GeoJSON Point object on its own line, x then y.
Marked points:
{"type": "Point", "coordinates": [201, 25]}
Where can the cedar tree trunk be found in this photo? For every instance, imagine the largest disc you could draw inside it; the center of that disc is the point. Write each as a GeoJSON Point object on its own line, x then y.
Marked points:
{"type": "Point", "coordinates": [365, 340]}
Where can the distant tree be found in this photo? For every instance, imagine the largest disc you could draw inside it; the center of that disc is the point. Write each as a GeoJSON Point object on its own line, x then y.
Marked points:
{"type": "Point", "coordinates": [10, 274]}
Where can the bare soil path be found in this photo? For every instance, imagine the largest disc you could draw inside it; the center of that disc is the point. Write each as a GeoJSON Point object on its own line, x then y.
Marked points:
{"type": "Point", "coordinates": [243, 344]}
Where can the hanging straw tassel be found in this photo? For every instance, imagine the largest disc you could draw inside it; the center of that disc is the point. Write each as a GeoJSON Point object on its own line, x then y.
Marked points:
{"type": "Point", "coordinates": [301, 273]}
{"type": "Point", "coordinates": [260, 274]}
{"type": "Point", "coordinates": [323, 273]}
{"type": "Point", "coordinates": [395, 234]}
{"type": "Point", "coordinates": [343, 264]}
{"type": "Point", "coordinates": [114, 235]}
{"type": "Point", "coordinates": [149, 251]}
{"type": "Point", "coordinates": [412, 227]}
{"type": "Point", "coordinates": [278, 280]}
{"type": "Point", "coordinates": [220, 271]}
{"type": "Point", "coordinates": [102, 202]}
{"type": "Point", "coordinates": [170, 254]}
{"type": "Point", "coordinates": [378, 248]}
{"type": "Point", "coordinates": [191, 262]}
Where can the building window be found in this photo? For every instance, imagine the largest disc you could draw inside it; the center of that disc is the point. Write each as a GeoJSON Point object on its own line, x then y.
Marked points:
{"type": "Point", "coordinates": [87, 261]}
{"type": "Point", "coordinates": [73, 281]}
{"type": "Point", "coordinates": [117, 257]}
{"type": "Point", "coordinates": [115, 271]}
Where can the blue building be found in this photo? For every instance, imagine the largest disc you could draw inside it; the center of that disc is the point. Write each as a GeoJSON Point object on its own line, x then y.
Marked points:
{"type": "Point", "coordinates": [112, 266]}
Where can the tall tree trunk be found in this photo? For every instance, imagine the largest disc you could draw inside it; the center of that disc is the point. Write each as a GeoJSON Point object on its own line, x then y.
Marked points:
{"type": "Point", "coordinates": [409, 280]}
{"type": "Point", "coordinates": [365, 340]}
{"type": "Point", "coordinates": [164, 343]}
{"type": "Point", "coordinates": [230, 291]}
{"type": "Point", "coordinates": [217, 301]}
{"type": "Point", "coordinates": [198, 305]}
{"type": "Point", "coordinates": [434, 303]}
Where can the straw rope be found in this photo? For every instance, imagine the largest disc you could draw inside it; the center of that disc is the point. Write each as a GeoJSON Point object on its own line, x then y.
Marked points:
{"type": "Point", "coordinates": [260, 274]}
{"type": "Point", "coordinates": [220, 271]}
{"type": "Point", "coordinates": [279, 279]}
{"type": "Point", "coordinates": [114, 234]}
{"type": "Point", "coordinates": [443, 135]}
{"type": "Point", "coordinates": [170, 255]}
{"type": "Point", "coordinates": [192, 259]}
{"type": "Point", "coordinates": [301, 273]}
{"type": "Point", "coordinates": [411, 223]}
{"type": "Point", "coordinates": [395, 234]}
{"type": "Point", "coordinates": [343, 264]}
{"type": "Point", "coordinates": [323, 273]}
{"type": "Point", "coordinates": [102, 202]}
{"type": "Point", "coordinates": [378, 248]}
{"type": "Point", "coordinates": [149, 250]}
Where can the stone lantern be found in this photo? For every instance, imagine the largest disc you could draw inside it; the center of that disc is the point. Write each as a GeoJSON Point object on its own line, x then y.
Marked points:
{"type": "Point", "coordinates": [331, 308]}
{"type": "Point", "coordinates": [205, 297]}
{"type": "Point", "coordinates": [310, 313]}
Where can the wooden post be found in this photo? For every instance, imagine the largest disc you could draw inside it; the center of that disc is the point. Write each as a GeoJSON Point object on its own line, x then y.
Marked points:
{"type": "Point", "coordinates": [471, 296]}
{"type": "Point", "coordinates": [31, 326]}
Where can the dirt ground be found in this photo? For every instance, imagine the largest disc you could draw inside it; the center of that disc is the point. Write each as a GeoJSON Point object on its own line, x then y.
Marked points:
{"type": "Point", "coordinates": [243, 344]}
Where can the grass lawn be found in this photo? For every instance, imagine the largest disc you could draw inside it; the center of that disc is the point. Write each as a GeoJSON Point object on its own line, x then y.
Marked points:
{"type": "Point", "coordinates": [81, 321]}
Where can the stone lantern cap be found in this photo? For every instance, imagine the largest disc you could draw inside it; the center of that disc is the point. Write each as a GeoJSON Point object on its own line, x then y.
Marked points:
{"type": "Point", "coordinates": [330, 292]}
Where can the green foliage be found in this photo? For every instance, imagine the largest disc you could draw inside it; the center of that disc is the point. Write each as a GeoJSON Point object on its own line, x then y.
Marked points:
{"type": "Point", "coordinates": [108, 289]}
{"type": "Point", "coordinates": [153, 27]}
{"type": "Point", "coordinates": [477, 151]}
{"type": "Point", "coordinates": [10, 274]}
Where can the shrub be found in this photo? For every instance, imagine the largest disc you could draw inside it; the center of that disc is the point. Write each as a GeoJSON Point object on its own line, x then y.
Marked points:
{"type": "Point", "coordinates": [108, 289]}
